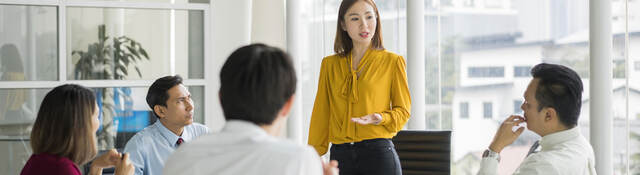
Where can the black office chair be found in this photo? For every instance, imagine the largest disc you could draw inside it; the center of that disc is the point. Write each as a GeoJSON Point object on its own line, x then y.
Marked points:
{"type": "Point", "coordinates": [424, 152]}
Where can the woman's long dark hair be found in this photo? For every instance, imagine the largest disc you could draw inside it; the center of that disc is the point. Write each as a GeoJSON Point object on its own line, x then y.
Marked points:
{"type": "Point", "coordinates": [63, 126]}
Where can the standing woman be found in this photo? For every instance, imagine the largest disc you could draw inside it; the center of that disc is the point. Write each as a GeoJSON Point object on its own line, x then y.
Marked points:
{"type": "Point", "coordinates": [63, 137]}
{"type": "Point", "coordinates": [363, 98]}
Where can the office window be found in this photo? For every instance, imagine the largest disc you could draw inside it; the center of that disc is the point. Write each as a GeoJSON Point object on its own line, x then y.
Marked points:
{"type": "Point", "coordinates": [478, 72]}
{"type": "Point", "coordinates": [522, 71]}
{"type": "Point", "coordinates": [487, 108]}
{"type": "Point", "coordinates": [464, 110]}
{"type": "Point", "coordinates": [125, 44]}
{"type": "Point", "coordinates": [28, 43]}
{"type": "Point", "coordinates": [156, 1]}
{"type": "Point", "coordinates": [144, 51]}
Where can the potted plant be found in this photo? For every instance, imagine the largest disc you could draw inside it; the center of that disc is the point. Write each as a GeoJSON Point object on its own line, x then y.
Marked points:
{"type": "Point", "coordinates": [109, 59]}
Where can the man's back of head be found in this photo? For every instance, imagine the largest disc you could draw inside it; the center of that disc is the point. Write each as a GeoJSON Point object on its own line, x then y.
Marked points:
{"type": "Point", "coordinates": [256, 82]}
{"type": "Point", "coordinates": [257, 85]}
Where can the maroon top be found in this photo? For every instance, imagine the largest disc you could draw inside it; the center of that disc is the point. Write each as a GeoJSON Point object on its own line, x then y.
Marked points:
{"type": "Point", "coordinates": [49, 164]}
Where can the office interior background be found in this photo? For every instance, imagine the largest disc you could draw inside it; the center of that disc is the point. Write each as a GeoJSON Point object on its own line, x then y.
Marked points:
{"type": "Point", "coordinates": [468, 63]}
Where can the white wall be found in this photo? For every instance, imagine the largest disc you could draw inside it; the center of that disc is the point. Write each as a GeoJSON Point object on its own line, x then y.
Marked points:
{"type": "Point", "coordinates": [268, 23]}
{"type": "Point", "coordinates": [230, 28]}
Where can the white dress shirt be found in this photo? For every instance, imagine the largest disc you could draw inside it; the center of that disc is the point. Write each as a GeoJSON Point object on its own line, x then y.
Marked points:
{"type": "Point", "coordinates": [563, 153]}
{"type": "Point", "coordinates": [243, 148]}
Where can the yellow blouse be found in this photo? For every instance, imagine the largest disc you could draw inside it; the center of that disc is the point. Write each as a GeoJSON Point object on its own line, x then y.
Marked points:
{"type": "Point", "coordinates": [378, 86]}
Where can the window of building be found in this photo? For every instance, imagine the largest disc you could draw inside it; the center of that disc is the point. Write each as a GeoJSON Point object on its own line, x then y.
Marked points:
{"type": "Point", "coordinates": [522, 71]}
{"type": "Point", "coordinates": [489, 72]}
{"type": "Point", "coordinates": [155, 39]}
{"type": "Point", "coordinates": [487, 108]}
{"type": "Point", "coordinates": [464, 110]}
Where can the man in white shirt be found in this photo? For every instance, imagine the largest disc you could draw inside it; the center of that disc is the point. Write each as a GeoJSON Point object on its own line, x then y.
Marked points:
{"type": "Point", "coordinates": [551, 109]}
{"type": "Point", "coordinates": [258, 83]}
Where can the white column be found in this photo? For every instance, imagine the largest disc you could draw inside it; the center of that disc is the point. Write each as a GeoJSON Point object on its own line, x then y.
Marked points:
{"type": "Point", "coordinates": [601, 79]}
{"type": "Point", "coordinates": [114, 22]}
{"type": "Point", "coordinates": [230, 25]}
{"type": "Point", "coordinates": [293, 22]}
{"type": "Point", "coordinates": [416, 62]}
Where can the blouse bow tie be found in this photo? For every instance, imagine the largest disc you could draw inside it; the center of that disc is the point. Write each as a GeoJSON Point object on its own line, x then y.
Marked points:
{"type": "Point", "coordinates": [350, 85]}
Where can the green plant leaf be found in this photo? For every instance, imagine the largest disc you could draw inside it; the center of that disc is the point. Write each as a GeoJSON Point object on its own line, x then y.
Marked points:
{"type": "Point", "coordinates": [138, 70]}
{"type": "Point", "coordinates": [133, 59]}
{"type": "Point", "coordinates": [144, 53]}
{"type": "Point", "coordinates": [122, 68]}
{"type": "Point", "coordinates": [101, 31]}
{"type": "Point", "coordinates": [109, 57]}
{"type": "Point", "coordinates": [103, 60]}
{"type": "Point", "coordinates": [77, 52]}
{"type": "Point", "coordinates": [124, 39]}
{"type": "Point", "coordinates": [133, 51]}
{"type": "Point", "coordinates": [125, 61]}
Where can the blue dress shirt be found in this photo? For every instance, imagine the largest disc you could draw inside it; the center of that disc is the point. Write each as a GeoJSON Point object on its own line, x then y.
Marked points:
{"type": "Point", "coordinates": [149, 148]}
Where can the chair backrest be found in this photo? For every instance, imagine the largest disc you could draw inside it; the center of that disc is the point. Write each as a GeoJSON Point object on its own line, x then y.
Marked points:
{"type": "Point", "coordinates": [424, 152]}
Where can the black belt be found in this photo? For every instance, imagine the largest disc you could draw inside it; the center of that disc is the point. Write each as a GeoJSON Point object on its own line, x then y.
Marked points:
{"type": "Point", "coordinates": [363, 143]}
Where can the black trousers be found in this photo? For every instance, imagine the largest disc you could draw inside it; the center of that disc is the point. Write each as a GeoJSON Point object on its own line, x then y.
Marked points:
{"type": "Point", "coordinates": [368, 157]}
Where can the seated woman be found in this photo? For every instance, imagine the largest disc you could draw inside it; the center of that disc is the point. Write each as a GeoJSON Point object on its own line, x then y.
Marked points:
{"type": "Point", "coordinates": [63, 136]}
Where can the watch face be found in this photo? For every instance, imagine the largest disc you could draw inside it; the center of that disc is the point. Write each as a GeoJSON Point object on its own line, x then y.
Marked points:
{"type": "Point", "coordinates": [485, 153]}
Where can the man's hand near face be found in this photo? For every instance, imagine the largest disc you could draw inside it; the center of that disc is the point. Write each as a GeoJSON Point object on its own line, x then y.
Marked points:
{"type": "Point", "coordinates": [505, 135]}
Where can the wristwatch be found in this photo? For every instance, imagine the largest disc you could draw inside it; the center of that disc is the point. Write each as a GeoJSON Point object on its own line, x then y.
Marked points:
{"type": "Point", "coordinates": [491, 154]}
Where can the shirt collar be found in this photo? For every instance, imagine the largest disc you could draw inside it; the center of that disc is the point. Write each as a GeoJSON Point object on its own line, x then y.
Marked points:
{"type": "Point", "coordinates": [548, 141]}
{"type": "Point", "coordinates": [169, 136]}
{"type": "Point", "coordinates": [243, 126]}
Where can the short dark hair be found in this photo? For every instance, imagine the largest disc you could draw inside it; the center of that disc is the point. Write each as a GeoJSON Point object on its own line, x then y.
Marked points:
{"type": "Point", "coordinates": [158, 92]}
{"type": "Point", "coordinates": [63, 126]}
{"type": "Point", "coordinates": [559, 88]}
{"type": "Point", "coordinates": [256, 81]}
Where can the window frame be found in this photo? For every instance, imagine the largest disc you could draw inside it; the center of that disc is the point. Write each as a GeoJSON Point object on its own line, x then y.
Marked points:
{"type": "Point", "coordinates": [206, 82]}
